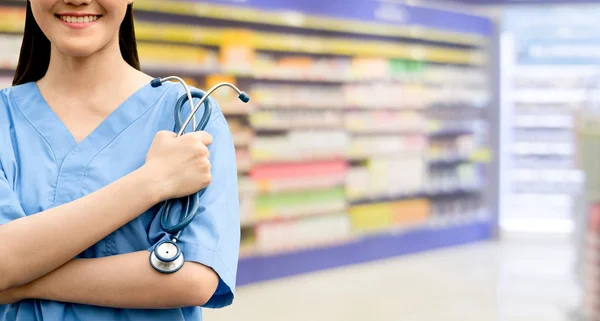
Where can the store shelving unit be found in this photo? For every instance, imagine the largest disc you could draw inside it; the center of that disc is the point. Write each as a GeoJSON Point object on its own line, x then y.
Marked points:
{"type": "Point", "coordinates": [546, 75]}
{"type": "Point", "coordinates": [364, 139]}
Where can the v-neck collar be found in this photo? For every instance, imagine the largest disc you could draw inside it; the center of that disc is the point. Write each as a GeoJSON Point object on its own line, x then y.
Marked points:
{"type": "Point", "coordinates": [39, 113]}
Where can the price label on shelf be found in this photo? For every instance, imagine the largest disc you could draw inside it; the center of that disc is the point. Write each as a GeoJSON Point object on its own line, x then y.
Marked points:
{"type": "Point", "coordinates": [262, 119]}
{"type": "Point", "coordinates": [483, 155]}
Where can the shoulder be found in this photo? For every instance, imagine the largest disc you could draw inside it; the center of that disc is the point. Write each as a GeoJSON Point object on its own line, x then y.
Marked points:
{"type": "Point", "coordinates": [10, 99]}
{"type": "Point", "coordinates": [12, 96]}
{"type": "Point", "coordinates": [6, 96]}
{"type": "Point", "coordinates": [12, 119]}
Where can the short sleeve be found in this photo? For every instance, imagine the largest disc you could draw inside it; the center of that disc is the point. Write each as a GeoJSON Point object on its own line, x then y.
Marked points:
{"type": "Point", "coordinates": [213, 238]}
{"type": "Point", "coordinates": [10, 207]}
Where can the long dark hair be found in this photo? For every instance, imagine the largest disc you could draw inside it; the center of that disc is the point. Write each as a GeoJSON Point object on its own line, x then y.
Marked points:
{"type": "Point", "coordinates": [35, 49]}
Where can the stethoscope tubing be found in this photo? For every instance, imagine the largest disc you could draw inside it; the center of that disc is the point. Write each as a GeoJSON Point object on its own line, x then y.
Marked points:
{"type": "Point", "coordinates": [190, 204]}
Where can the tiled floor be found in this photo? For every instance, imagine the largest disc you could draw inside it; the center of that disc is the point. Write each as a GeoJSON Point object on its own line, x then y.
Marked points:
{"type": "Point", "coordinates": [517, 279]}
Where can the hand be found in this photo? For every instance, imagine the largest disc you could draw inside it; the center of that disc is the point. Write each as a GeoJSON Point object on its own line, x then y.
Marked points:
{"type": "Point", "coordinates": [180, 165]}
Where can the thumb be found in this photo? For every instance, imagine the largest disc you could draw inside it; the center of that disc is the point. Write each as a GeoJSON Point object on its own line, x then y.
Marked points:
{"type": "Point", "coordinates": [203, 136]}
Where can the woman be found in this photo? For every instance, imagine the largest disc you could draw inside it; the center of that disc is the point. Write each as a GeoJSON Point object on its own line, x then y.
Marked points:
{"type": "Point", "coordinates": [87, 151]}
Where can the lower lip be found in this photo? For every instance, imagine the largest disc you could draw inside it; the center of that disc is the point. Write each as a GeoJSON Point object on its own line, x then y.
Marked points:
{"type": "Point", "coordinates": [78, 25]}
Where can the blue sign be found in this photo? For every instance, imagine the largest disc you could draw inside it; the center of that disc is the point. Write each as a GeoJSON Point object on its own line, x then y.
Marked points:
{"type": "Point", "coordinates": [372, 11]}
{"type": "Point", "coordinates": [566, 52]}
{"type": "Point", "coordinates": [549, 21]}
{"type": "Point", "coordinates": [565, 35]}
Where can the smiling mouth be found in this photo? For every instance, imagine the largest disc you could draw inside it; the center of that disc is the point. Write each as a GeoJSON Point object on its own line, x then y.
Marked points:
{"type": "Point", "coordinates": [78, 19]}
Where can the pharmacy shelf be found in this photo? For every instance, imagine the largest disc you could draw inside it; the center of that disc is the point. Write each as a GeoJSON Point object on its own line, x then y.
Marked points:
{"type": "Point", "coordinates": [385, 245]}
{"type": "Point", "coordinates": [298, 215]}
{"type": "Point", "coordinates": [283, 18]}
{"type": "Point", "coordinates": [331, 79]}
{"type": "Point", "coordinates": [295, 75]}
{"type": "Point", "coordinates": [449, 161]}
{"type": "Point", "coordinates": [289, 43]}
{"type": "Point", "coordinates": [451, 192]}
{"type": "Point", "coordinates": [450, 132]}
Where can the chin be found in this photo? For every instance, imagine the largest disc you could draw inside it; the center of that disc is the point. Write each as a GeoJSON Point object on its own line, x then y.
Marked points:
{"type": "Point", "coordinates": [79, 49]}
{"type": "Point", "coordinates": [77, 52]}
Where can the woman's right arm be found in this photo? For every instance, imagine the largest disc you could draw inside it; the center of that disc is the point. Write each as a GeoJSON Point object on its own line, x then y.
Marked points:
{"type": "Point", "coordinates": [35, 245]}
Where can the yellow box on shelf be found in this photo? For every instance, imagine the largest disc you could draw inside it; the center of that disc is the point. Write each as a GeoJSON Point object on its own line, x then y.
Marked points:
{"type": "Point", "coordinates": [262, 118]}
{"type": "Point", "coordinates": [263, 215]}
{"type": "Point", "coordinates": [310, 44]}
{"type": "Point", "coordinates": [261, 155]}
{"type": "Point", "coordinates": [299, 20]}
{"type": "Point", "coordinates": [482, 155]}
{"type": "Point", "coordinates": [177, 33]}
{"type": "Point", "coordinates": [13, 19]}
{"type": "Point", "coordinates": [378, 216]}
{"type": "Point", "coordinates": [372, 217]}
{"type": "Point", "coordinates": [237, 50]}
{"type": "Point", "coordinates": [411, 211]}
{"type": "Point", "coordinates": [178, 53]}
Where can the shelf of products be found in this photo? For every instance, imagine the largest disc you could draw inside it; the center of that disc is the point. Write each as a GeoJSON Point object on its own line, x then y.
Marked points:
{"type": "Point", "coordinates": [312, 15]}
{"type": "Point", "coordinates": [346, 152]}
{"type": "Point", "coordinates": [544, 89]}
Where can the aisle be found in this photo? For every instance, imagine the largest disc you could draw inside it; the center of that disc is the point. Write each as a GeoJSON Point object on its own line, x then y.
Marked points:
{"type": "Point", "coordinates": [520, 279]}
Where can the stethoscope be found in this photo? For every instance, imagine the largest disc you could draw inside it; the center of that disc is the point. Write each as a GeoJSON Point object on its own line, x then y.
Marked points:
{"type": "Point", "coordinates": [167, 256]}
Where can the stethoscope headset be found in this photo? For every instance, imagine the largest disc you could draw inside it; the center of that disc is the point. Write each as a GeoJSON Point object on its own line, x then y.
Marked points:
{"type": "Point", "coordinates": [167, 256]}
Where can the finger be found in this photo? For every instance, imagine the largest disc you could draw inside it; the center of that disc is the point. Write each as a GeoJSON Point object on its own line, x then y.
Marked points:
{"type": "Point", "coordinates": [165, 134]}
{"type": "Point", "coordinates": [207, 138]}
{"type": "Point", "coordinates": [204, 137]}
{"type": "Point", "coordinates": [202, 150]}
{"type": "Point", "coordinates": [205, 163]}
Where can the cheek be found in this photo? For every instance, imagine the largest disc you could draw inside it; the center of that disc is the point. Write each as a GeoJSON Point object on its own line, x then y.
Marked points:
{"type": "Point", "coordinates": [116, 8]}
{"type": "Point", "coordinates": [42, 12]}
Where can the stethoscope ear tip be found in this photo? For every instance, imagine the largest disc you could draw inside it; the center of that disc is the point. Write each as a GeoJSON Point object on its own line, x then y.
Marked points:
{"type": "Point", "coordinates": [244, 97]}
{"type": "Point", "coordinates": [156, 82]}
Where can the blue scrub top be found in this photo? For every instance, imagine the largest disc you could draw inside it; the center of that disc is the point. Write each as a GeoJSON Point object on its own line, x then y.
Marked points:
{"type": "Point", "coordinates": [42, 166]}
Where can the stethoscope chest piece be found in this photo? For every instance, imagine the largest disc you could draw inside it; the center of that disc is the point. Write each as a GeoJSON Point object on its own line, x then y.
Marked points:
{"type": "Point", "coordinates": [167, 257]}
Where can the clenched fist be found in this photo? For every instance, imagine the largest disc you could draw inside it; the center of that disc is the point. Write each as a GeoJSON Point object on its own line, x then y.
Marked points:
{"type": "Point", "coordinates": [180, 163]}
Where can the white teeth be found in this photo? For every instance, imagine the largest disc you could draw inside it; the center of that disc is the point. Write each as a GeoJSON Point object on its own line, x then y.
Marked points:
{"type": "Point", "coordinates": [86, 19]}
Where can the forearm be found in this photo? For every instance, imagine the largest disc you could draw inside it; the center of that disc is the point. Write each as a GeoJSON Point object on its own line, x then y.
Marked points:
{"type": "Point", "coordinates": [38, 244]}
{"type": "Point", "coordinates": [125, 281]}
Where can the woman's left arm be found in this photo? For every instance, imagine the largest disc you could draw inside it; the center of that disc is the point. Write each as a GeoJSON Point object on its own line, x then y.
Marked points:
{"type": "Point", "coordinates": [210, 245]}
{"type": "Point", "coordinates": [121, 281]}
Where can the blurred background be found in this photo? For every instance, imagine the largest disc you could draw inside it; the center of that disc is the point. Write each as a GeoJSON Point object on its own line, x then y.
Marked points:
{"type": "Point", "coordinates": [399, 160]}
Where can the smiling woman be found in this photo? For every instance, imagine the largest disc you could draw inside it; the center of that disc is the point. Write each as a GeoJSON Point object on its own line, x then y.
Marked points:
{"type": "Point", "coordinates": [87, 153]}
{"type": "Point", "coordinates": [44, 15]}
